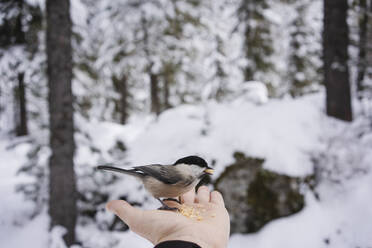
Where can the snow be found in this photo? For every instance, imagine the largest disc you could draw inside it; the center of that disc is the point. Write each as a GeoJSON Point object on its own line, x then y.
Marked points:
{"type": "Point", "coordinates": [270, 131]}
{"type": "Point", "coordinates": [342, 219]}
{"type": "Point", "coordinates": [16, 231]}
{"type": "Point", "coordinates": [56, 237]}
{"type": "Point", "coordinates": [286, 133]}
{"type": "Point", "coordinates": [118, 239]}
{"type": "Point", "coordinates": [255, 92]}
{"type": "Point", "coordinates": [292, 135]}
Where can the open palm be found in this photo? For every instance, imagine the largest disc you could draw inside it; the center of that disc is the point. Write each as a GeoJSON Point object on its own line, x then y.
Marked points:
{"type": "Point", "coordinates": [207, 223]}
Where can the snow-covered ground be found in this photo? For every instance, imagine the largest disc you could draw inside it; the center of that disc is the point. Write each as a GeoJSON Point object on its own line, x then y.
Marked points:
{"type": "Point", "coordinates": [15, 228]}
{"type": "Point", "coordinates": [287, 133]}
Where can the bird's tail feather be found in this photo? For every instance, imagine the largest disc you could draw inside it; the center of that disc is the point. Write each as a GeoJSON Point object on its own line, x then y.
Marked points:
{"type": "Point", "coordinates": [120, 170]}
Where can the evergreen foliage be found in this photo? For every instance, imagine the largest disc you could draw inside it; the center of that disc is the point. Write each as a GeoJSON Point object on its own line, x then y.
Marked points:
{"type": "Point", "coordinates": [20, 25]}
{"type": "Point", "coordinates": [258, 45]}
{"type": "Point", "coordinates": [304, 70]}
{"type": "Point", "coordinates": [138, 57]}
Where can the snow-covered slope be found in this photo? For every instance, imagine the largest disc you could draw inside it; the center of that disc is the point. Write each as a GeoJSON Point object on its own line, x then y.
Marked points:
{"type": "Point", "coordinates": [282, 132]}
{"type": "Point", "coordinates": [286, 133]}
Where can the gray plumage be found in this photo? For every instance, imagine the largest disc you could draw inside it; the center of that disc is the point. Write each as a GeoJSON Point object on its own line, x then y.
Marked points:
{"type": "Point", "coordinates": [163, 180]}
{"type": "Point", "coordinates": [167, 180]}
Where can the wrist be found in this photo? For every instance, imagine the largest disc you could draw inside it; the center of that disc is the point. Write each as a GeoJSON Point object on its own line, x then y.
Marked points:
{"type": "Point", "coordinates": [186, 238]}
{"type": "Point", "coordinates": [177, 243]}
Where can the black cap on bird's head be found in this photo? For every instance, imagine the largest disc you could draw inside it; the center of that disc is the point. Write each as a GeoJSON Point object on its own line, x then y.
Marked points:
{"type": "Point", "coordinates": [195, 160]}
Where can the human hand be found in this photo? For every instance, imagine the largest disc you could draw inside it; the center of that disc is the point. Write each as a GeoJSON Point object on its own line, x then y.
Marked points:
{"type": "Point", "coordinates": [210, 231]}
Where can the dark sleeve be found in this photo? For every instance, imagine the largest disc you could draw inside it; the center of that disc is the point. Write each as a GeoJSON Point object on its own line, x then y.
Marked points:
{"type": "Point", "coordinates": [176, 244]}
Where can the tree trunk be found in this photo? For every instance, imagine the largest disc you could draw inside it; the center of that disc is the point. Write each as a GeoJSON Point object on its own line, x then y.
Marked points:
{"type": "Point", "coordinates": [21, 128]}
{"type": "Point", "coordinates": [62, 191]}
{"type": "Point", "coordinates": [369, 40]}
{"type": "Point", "coordinates": [154, 88]}
{"type": "Point", "coordinates": [248, 70]}
{"type": "Point", "coordinates": [362, 60]}
{"type": "Point", "coordinates": [166, 92]}
{"type": "Point", "coordinates": [121, 86]}
{"type": "Point", "coordinates": [19, 33]}
{"type": "Point", "coordinates": [335, 55]}
{"type": "Point", "coordinates": [1, 102]}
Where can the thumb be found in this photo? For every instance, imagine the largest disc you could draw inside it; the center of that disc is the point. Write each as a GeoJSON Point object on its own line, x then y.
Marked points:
{"type": "Point", "coordinates": [130, 215]}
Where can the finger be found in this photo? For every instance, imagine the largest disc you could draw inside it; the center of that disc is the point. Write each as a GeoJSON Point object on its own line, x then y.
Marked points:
{"type": "Point", "coordinates": [217, 198]}
{"type": "Point", "coordinates": [188, 197]}
{"type": "Point", "coordinates": [130, 215]}
{"type": "Point", "coordinates": [203, 195]}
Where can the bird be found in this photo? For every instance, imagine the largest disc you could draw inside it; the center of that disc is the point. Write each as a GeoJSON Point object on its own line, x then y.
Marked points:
{"type": "Point", "coordinates": [169, 180]}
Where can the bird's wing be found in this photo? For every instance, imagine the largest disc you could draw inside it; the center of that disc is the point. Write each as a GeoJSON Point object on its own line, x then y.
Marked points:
{"type": "Point", "coordinates": [167, 176]}
{"type": "Point", "coordinates": [132, 172]}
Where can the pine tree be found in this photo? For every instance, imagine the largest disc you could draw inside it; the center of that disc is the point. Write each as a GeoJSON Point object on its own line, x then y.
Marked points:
{"type": "Point", "coordinates": [62, 185]}
{"type": "Point", "coordinates": [20, 24]}
{"type": "Point", "coordinates": [152, 73]}
{"type": "Point", "coordinates": [154, 93]}
{"type": "Point", "coordinates": [21, 128]}
{"type": "Point", "coordinates": [121, 106]}
{"type": "Point", "coordinates": [258, 45]}
{"type": "Point", "coordinates": [303, 70]}
{"type": "Point", "coordinates": [362, 63]}
{"type": "Point", "coordinates": [362, 22]}
{"type": "Point", "coordinates": [168, 73]}
{"type": "Point", "coordinates": [369, 46]}
{"type": "Point", "coordinates": [153, 49]}
{"type": "Point", "coordinates": [219, 78]}
{"type": "Point", "coordinates": [335, 55]}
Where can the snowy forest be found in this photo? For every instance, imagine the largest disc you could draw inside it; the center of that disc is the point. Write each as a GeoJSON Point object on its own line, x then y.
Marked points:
{"type": "Point", "coordinates": [275, 95]}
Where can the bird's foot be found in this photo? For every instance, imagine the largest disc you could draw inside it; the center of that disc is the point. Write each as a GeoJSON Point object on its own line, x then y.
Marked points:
{"type": "Point", "coordinates": [165, 206]}
{"type": "Point", "coordinates": [172, 199]}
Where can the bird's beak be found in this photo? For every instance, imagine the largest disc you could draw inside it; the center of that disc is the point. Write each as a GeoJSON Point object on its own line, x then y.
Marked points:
{"type": "Point", "coordinates": [209, 171]}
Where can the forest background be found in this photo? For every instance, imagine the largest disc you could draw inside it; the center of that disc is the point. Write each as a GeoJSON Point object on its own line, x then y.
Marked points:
{"type": "Point", "coordinates": [281, 90]}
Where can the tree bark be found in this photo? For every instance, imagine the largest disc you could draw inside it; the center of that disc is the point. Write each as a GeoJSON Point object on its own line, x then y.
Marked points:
{"type": "Point", "coordinates": [62, 191]}
{"type": "Point", "coordinates": [19, 33]}
{"type": "Point", "coordinates": [166, 93]}
{"type": "Point", "coordinates": [369, 40]}
{"type": "Point", "coordinates": [21, 128]}
{"type": "Point", "coordinates": [335, 55]}
{"type": "Point", "coordinates": [121, 86]}
{"type": "Point", "coordinates": [248, 70]}
{"type": "Point", "coordinates": [362, 59]}
{"type": "Point", "coordinates": [154, 81]}
{"type": "Point", "coordinates": [154, 88]}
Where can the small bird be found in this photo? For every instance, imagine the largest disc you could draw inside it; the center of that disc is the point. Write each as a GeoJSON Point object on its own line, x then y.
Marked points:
{"type": "Point", "coordinates": [170, 180]}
